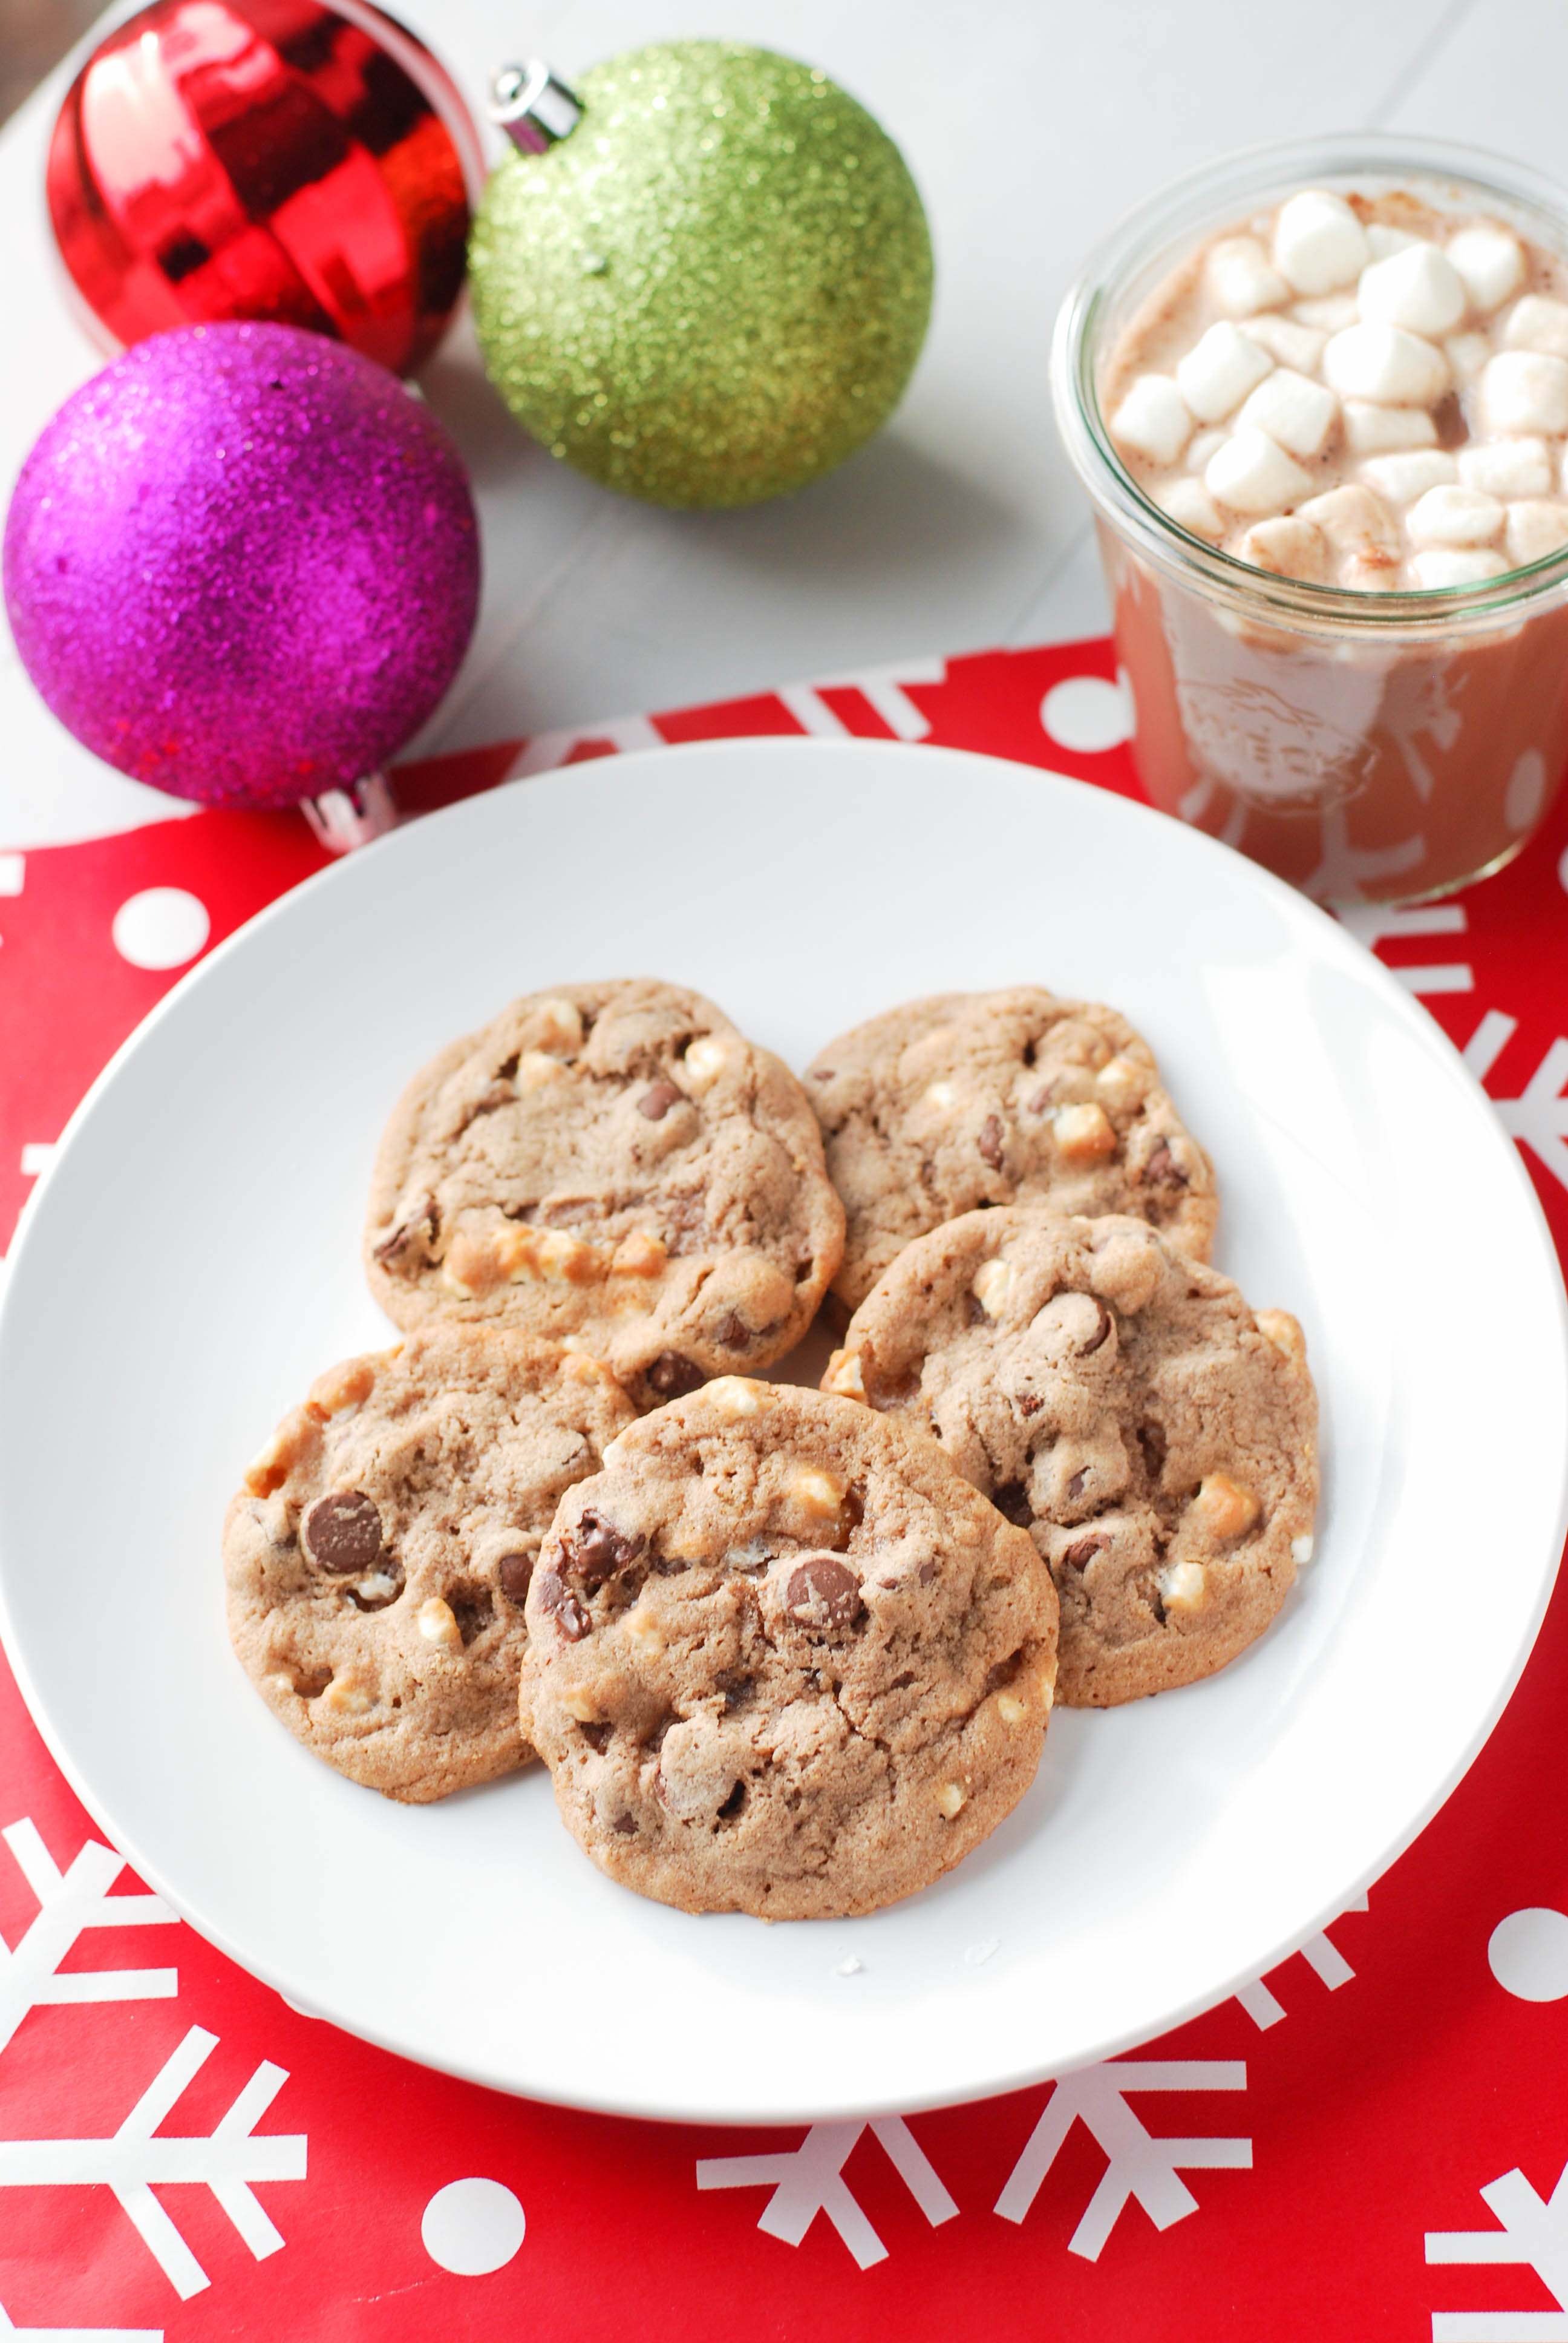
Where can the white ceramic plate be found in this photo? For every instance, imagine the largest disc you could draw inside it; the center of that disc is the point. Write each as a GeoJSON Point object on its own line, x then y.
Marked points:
{"type": "Point", "coordinates": [190, 1262]}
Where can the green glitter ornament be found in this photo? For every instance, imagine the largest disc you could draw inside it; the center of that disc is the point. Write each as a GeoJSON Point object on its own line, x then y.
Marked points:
{"type": "Point", "coordinates": [710, 288]}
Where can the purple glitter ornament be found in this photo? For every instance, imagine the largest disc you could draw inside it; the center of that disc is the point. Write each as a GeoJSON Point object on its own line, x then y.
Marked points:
{"type": "Point", "coordinates": [242, 563]}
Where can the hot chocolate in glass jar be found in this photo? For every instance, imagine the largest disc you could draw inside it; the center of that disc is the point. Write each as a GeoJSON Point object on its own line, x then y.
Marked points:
{"type": "Point", "coordinates": [1320, 399]}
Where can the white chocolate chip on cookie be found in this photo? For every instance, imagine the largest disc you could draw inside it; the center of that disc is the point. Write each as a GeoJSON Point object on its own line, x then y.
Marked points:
{"type": "Point", "coordinates": [704, 1061]}
{"type": "Point", "coordinates": [1183, 1586]}
{"type": "Point", "coordinates": [437, 1623]}
{"type": "Point", "coordinates": [1223, 1507]}
{"type": "Point", "coordinates": [736, 1396]}
{"type": "Point", "coordinates": [1084, 1134]}
{"type": "Point", "coordinates": [534, 1068]}
{"type": "Point", "coordinates": [993, 1283]}
{"type": "Point", "coordinates": [1278, 1326]}
{"type": "Point", "coordinates": [343, 1388]}
{"type": "Point", "coordinates": [640, 1255]}
{"type": "Point", "coordinates": [563, 1025]}
{"type": "Point", "coordinates": [815, 1492]}
{"type": "Point", "coordinates": [579, 1702]}
{"type": "Point", "coordinates": [1122, 1083]}
{"type": "Point", "coordinates": [346, 1695]}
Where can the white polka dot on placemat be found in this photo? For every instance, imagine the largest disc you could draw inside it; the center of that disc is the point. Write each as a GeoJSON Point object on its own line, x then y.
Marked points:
{"type": "Point", "coordinates": [162, 927]}
{"type": "Point", "coordinates": [472, 2226]}
{"type": "Point", "coordinates": [1529, 1954]}
{"type": "Point", "coordinates": [1087, 714]}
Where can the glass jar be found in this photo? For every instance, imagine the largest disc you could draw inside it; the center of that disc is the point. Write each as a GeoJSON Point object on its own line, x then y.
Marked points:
{"type": "Point", "coordinates": [1370, 746]}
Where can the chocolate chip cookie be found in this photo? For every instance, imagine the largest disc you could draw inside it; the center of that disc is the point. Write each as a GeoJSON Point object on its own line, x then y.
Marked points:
{"type": "Point", "coordinates": [378, 1557]}
{"type": "Point", "coordinates": [971, 1099]}
{"type": "Point", "coordinates": [616, 1165]}
{"type": "Point", "coordinates": [782, 1659]}
{"type": "Point", "coordinates": [1120, 1401]}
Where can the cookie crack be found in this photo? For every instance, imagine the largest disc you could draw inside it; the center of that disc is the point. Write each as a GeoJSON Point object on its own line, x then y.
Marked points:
{"type": "Point", "coordinates": [862, 1734]}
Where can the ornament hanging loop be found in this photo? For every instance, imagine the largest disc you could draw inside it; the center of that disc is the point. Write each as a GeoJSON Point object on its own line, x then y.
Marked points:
{"type": "Point", "coordinates": [342, 819]}
{"type": "Point", "coordinates": [533, 106]}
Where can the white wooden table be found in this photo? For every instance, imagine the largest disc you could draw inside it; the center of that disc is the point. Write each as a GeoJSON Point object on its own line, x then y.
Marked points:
{"type": "Point", "coordinates": [1030, 128]}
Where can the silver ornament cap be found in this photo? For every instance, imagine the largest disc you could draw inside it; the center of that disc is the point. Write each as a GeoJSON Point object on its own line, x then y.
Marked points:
{"type": "Point", "coordinates": [533, 106]}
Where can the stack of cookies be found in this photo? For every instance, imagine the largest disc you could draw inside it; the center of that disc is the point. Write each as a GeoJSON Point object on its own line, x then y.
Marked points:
{"type": "Point", "coordinates": [784, 1652]}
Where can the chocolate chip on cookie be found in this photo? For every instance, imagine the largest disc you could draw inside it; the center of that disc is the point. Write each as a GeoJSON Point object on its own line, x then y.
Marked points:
{"type": "Point", "coordinates": [977, 1099]}
{"type": "Point", "coordinates": [782, 1659]}
{"type": "Point", "coordinates": [1120, 1401]}
{"type": "Point", "coordinates": [380, 1554]}
{"type": "Point", "coordinates": [616, 1165]}
{"type": "Point", "coordinates": [342, 1531]}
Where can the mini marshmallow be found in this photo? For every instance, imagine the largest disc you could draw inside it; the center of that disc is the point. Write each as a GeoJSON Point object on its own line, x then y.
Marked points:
{"type": "Point", "coordinates": [1507, 468]}
{"type": "Point", "coordinates": [1534, 531]}
{"type": "Point", "coordinates": [1297, 413]}
{"type": "Point", "coordinates": [1385, 364]}
{"type": "Point", "coordinates": [1371, 571]}
{"type": "Point", "coordinates": [1287, 343]}
{"type": "Point", "coordinates": [1352, 519]}
{"type": "Point", "coordinates": [1191, 507]}
{"type": "Point", "coordinates": [1330, 315]}
{"type": "Point", "coordinates": [1401, 478]}
{"type": "Point", "coordinates": [1206, 444]}
{"type": "Point", "coordinates": [1448, 566]}
{"type": "Point", "coordinates": [1454, 516]}
{"type": "Point", "coordinates": [1467, 353]}
{"type": "Point", "coordinates": [1489, 261]}
{"type": "Point", "coordinates": [1537, 324]}
{"type": "Point", "coordinates": [1383, 241]}
{"type": "Point", "coordinates": [1416, 287]}
{"type": "Point", "coordinates": [1253, 474]}
{"type": "Point", "coordinates": [1241, 277]}
{"type": "Point", "coordinates": [1318, 242]}
{"type": "Point", "coordinates": [1362, 533]}
{"type": "Point", "coordinates": [1218, 372]}
{"type": "Point", "coordinates": [1521, 390]}
{"type": "Point", "coordinates": [1152, 419]}
{"type": "Point", "coordinates": [1375, 430]}
{"type": "Point", "coordinates": [1288, 548]}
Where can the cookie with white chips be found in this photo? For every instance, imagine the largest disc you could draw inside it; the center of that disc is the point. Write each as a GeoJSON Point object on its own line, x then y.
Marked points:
{"type": "Point", "coordinates": [1015, 1097]}
{"type": "Point", "coordinates": [783, 1659]}
{"type": "Point", "coordinates": [378, 1557]}
{"type": "Point", "coordinates": [1122, 1402]}
{"type": "Point", "coordinates": [615, 1165]}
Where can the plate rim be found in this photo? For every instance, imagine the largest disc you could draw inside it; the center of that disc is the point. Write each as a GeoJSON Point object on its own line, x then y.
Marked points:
{"type": "Point", "coordinates": [625, 768]}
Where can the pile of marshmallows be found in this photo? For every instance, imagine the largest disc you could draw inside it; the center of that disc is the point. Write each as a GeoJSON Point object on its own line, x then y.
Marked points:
{"type": "Point", "coordinates": [1353, 335]}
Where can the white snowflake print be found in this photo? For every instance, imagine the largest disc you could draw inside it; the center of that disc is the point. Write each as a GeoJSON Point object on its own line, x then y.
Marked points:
{"type": "Point", "coordinates": [809, 2179]}
{"type": "Point", "coordinates": [1380, 923]}
{"type": "Point", "coordinates": [1138, 2166]}
{"type": "Point", "coordinates": [1538, 1117]}
{"type": "Point", "coordinates": [1321, 1956]}
{"type": "Point", "coordinates": [882, 688]}
{"type": "Point", "coordinates": [1533, 2232]}
{"type": "Point", "coordinates": [69, 1902]}
{"type": "Point", "coordinates": [132, 2159]}
{"type": "Point", "coordinates": [549, 751]}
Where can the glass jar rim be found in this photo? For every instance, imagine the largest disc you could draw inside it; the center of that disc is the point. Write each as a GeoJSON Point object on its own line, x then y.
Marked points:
{"type": "Point", "coordinates": [1172, 222]}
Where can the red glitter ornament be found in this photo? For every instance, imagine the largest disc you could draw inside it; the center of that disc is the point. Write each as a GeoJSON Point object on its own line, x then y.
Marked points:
{"type": "Point", "coordinates": [221, 159]}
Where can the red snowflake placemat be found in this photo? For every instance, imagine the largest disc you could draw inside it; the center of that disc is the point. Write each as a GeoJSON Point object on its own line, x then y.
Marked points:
{"type": "Point", "coordinates": [1370, 2141]}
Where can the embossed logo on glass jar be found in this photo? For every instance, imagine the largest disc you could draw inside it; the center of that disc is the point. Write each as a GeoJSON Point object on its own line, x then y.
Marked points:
{"type": "Point", "coordinates": [1277, 730]}
{"type": "Point", "coordinates": [1266, 748]}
